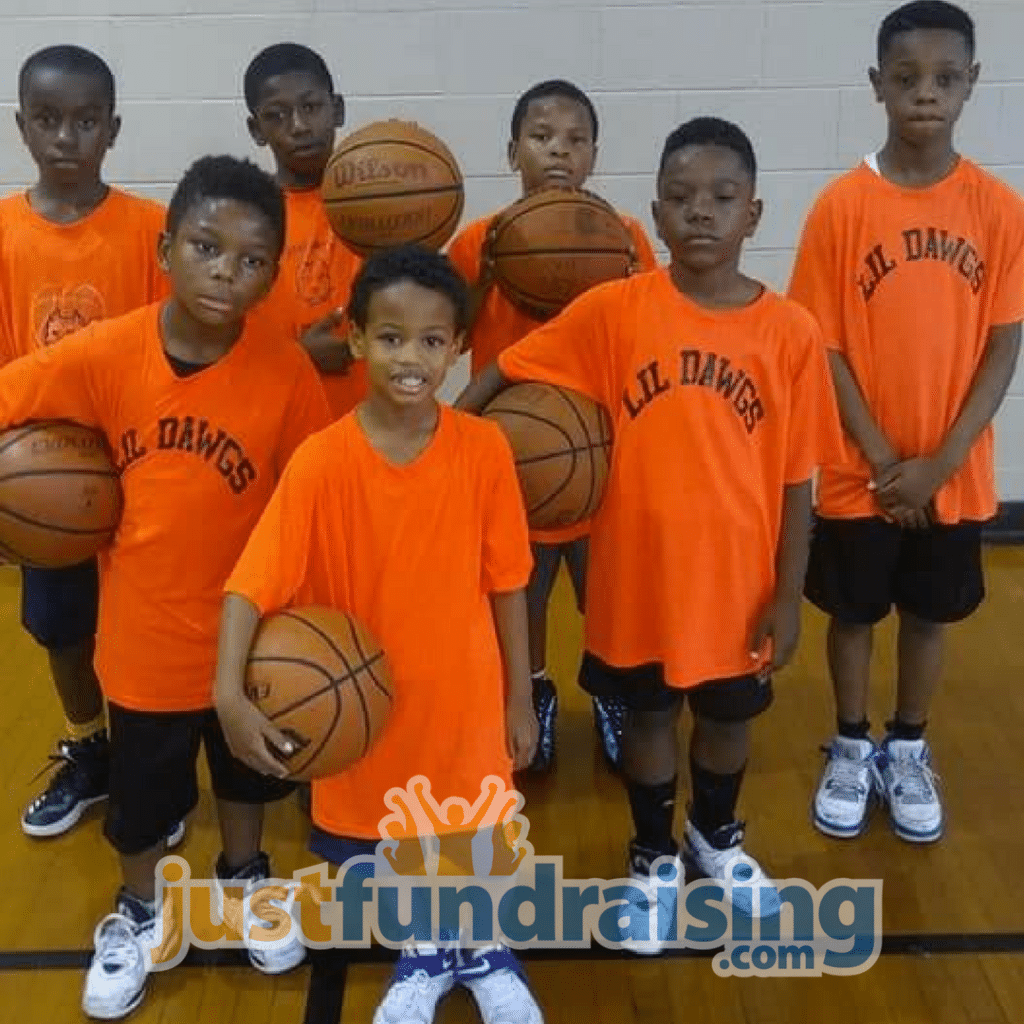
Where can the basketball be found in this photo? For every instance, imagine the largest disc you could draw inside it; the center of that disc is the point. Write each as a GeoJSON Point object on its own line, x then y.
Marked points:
{"type": "Point", "coordinates": [322, 679]}
{"type": "Point", "coordinates": [561, 441]}
{"type": "Point", "coordinates": [552, 245]}
{"type": "Point", "coordinates": [60, 494]}
{"type": "Point", "coordinates": [392, 183]}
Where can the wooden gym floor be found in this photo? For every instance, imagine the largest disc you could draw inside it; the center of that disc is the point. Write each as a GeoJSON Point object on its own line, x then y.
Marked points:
{"type": "Point", "coordinates": [953, 917]}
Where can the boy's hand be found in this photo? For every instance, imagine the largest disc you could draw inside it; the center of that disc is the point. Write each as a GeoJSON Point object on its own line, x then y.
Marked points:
{"type": "Point", "coordinates": [523, 731]}
{"type": "Point", "coordinates": [906, 490]}
{"type": "Point", "coordinates": [330, 354]}
{"type": "Point", "coordinates": [248, 732]}
{"type": "Point", "coordinates": [780, 624]}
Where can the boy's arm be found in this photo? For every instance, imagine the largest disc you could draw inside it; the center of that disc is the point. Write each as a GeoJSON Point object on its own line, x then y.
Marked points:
{"type": "Point", "coordinates": [248, 732]}
{"type": "Point", "coordinates": [781, 619]}
{"type": "Point", "coordinates": [482, 389]}
{"type": "Point", "coordinates": [330, 354]}
{"type": "Point", "coordinates": [913, 482]}
{"type": "Point", "coordinates": [510, 622]}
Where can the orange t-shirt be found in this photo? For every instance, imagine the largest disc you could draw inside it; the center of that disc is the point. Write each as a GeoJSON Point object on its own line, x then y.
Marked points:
{"type": "Point", "coordinates": [413, 552]}
{"type": "Point", "coordinates": [56, 278]}
{"type": "Point", "coordinates": [315, 278]}
{"type": "Point", "coordinates": [198, 456]}
{"type": "Point", "coordinates": [714, 413]}
{"type": "Point", "coordinates": [907, 284]}
{"type": "Point", "coordinates": [500, 324]}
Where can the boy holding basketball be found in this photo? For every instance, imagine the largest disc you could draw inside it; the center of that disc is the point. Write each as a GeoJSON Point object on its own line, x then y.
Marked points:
{"type": "Point", "coordinates": [294, 110]}
{"type": "Point", "coordinates": [722, 408]}
{"type": "Point", "coordinates": [172, 386]}
{"type": "Point", "coordinates": [72, 250]}
{"type": "Point", "coordinates": [406, 515]}
{"type": "Point", "coordinates": [914, 260]}
{"type": "Point", "coordinates": [553, 143]}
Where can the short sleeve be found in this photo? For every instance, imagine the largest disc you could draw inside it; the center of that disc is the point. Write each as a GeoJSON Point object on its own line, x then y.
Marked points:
{"type": "Point", "coordinates": [1008, 300]}
{"type": "Point", "coordinates": [814, 282]}
{"type": "Point", "coordinates": [464, 252]}
{"type": "Point", "coordinates": [507, 561]}
{"type": "Point", "coordinates": [272, 567]}
{"type": "Point", "coordinates": [815, 430]}
{"type": "Point", "coordinates": [644, 251]}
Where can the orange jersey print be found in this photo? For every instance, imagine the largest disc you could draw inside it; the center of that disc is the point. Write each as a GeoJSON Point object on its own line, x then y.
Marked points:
{"type": "Point", "coordinates": [198, 457]}
{"type": "Point", "coordinates": [714, 413]}
{"type": "Point", "coordinates": [500, 324]}
{"type": "Point", "coordinates": [57, 278]}
{"type": "Point", "coordinates": [315, 278]}
{"type": "Point", "coordinates": [408, 551]}
{"type": "Point", "coordinates": [907, 284]}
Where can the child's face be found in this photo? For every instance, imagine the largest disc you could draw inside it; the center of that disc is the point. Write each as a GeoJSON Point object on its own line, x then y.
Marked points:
{"type": "Point", "coordinates": [924, 81]}
{"type": "Point", "coordinates": [296, 117]}
{"type": "Point", "coordinates": [222, 260]}
{"type": "Point", "coordinates": [66, 122]}
{"type": "Point", "coordinates": [705, 207]}
{"type": "Point", "coordinates": [555, 145]}
{"type": "Point", "coordinates": [409, 342]}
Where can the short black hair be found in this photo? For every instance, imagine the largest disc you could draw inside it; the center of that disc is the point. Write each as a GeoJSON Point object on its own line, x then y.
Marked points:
{"type": "Point", "coordinates": [545, 90]}
{"type": "Point", "coordinates": [72, 60]}
{"type": "Point", "coordinates": [925, 14]}
{"type": "Point", "coordinates": [283, 59]}
{"type": "Point", "coordinates": [710, 131]}
{"type": "Point", "coordinates": [414, 263]}
{"type": "Point", "coordinates": [228, 177]}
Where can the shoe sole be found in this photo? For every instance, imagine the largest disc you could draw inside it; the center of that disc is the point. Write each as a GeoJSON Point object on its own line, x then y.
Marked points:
{"type": "Point", "coordinates": [102, 1012]}
{"type": "Point", "coordinates": [920, 838]}
{"type": "Point", "coordinates": [65, 824]}
{"type": "Point", "coordinates": [177, 837]}
{"type": "Point", "coordinates": [277, 970]}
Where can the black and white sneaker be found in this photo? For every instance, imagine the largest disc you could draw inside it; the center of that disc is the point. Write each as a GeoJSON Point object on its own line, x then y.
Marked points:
{"type": "Point", "coordinates": [545, 706]}
{"type": "Point", "coordinates": [83, 769]}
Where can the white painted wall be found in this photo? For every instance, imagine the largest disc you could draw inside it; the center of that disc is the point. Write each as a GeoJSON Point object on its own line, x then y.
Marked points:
{"type": "Point", "coordinates": [793, 74]}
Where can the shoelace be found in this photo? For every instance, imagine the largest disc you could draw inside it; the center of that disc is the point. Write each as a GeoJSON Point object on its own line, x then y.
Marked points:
{"type": "Point", "coordinates": [65, 763]}
{"type": "Point", "coordinates": [116, 942]}
{"type": "Point", "coordinates": [915, 779]}
{"type": "Point", "coordinates": [844, 775]}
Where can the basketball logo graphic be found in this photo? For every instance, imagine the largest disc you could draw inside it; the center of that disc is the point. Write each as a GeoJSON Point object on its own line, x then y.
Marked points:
{"type": "Point", "coordinates": [313, 274]}
{"type": "Point", "coordinates": [58, 312]}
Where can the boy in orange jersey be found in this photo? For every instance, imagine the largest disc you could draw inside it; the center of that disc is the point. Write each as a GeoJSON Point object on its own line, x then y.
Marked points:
{"type": "Point", "coordinates": [553, 142]}
{"type": "Point", "coordinates": [72, 250]}
{"type": "Point", "coordinates": [202, 408]}
{"type": "Point", "coordinates": [913, 263]}
{"type": "Point", "coordinates": [407, 515]}
{"type": "Point", "coordinates": [294, 110]}
{"type": "Point", "coordinates": [722, 408]}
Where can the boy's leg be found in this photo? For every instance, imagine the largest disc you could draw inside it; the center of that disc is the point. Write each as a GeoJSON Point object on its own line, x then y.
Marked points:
{"type": "Point", "coordinates": [58, 609]}
{"type": "Point", "coordinates": [546, 559]}
{"type": "Point", "coordinates": [850, 576]}
{"type": "Point", "coordinates": [940, 580]}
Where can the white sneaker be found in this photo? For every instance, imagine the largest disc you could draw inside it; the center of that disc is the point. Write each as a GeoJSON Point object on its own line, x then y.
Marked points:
{"type": "Point", "coordinates": [909, 787]}
{"type": "Point", "coordinates": [271, 956]}
{"type": "Point", "coordinates": [848, 787]}
{"type": "Point", "coordinates": [422, 976]}
{"type": "Point", "coordinates": [721, 858]}
{"type": "Point", "coordinates": [656, 870]}
{"type": "Point", "coordinates": [116, 981]}
{"type": "Point", "coordinates": [495, 977]}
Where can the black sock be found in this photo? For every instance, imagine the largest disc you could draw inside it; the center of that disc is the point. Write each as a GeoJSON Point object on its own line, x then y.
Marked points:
{"type": "Point", "coordinates": [901, 731]}
{"type": "Point", "coordinates": [714, 798]}
{"type": "Point", "coordinates": [653, 809]}
{"type": "Point", "coordinates": [853, 730]}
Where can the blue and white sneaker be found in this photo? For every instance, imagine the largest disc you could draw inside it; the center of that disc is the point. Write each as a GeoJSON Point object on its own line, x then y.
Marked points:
{"type": "Point", "coordinates": [421, 977]}
{"type": "Point", "coordinates": [608, 715]}
{"type": "Point", "coordinates": [545, 706]}
{"type": "Point", "coordinates": [848, 788]}
{"type": "Point", "coordinates": [909, 787]}
{"type": "Point", "coordinates": [497, 981]}
{"type": "Point", "coordinates": [660, 871]}
{"type": "Point", "coordinates": [721, 858]}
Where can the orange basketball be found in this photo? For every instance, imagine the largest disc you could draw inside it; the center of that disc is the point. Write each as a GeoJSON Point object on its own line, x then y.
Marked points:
{"type": "Point", "coordinates": [60, 494]}
{"type": "Point", "coordinates": [323, 680]}
{"type": "Point", "coordinates": [392, 183]}
{"type": "Point", "coordinates": [552, 245]}
{"type": "Point", "coordinates": [562, 446]}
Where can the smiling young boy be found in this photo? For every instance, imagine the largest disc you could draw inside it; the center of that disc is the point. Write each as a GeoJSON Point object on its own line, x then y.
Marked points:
{"type": "Point", "coordinates": [202, 407]}
{"type": "Point", "coordinates": [913, 263]}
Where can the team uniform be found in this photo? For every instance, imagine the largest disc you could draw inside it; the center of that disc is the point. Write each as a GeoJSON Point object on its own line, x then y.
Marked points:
{"type": "Point", "coordinates": [907, 285]}
{"type": "Point", "coordinates": [55, 279]}
{"type": "Point", "coordinates": [408, 550]}
{"type": "Point", "coordinates": [199, 450]}
{"type": "Point", "coordinates": [315, 278]}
